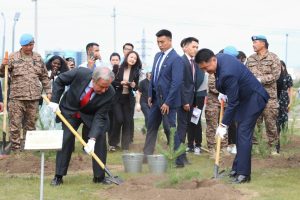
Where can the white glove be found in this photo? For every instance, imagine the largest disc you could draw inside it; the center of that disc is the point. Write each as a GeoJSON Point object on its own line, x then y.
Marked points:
{"type": "Point", "coordinates": [54, 106]}
{"type": "Point", "coordinates": [222, 97]}
{"type": "Point", "coordinates": [259, 80]}
{"type": "Point", "coordinates": [138, 107]}
{"type": "Point", "coordinates": [221, 131]}
{"type": "Point", "coordinates": [89, 148]}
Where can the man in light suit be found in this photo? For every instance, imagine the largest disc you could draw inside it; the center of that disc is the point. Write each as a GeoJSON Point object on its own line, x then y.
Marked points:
{"type": "Point", "coordinates": [87, 101]}
{"type": "Point", "coordinates": [164, 88]}
{"type": "Point", "coordinates": [246, 101]}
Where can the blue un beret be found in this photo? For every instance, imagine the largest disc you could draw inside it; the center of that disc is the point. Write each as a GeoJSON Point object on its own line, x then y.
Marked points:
{"type": "Point", "coordinates": [26, 39]}
{"type": "Point", "coordinates": [231, 50]}
{"type": "Point", "coordinates": [259, 37]}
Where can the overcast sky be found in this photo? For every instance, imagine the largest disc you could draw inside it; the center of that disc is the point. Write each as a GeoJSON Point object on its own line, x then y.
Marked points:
{"type": "Point", "coordinates": [71, 24]}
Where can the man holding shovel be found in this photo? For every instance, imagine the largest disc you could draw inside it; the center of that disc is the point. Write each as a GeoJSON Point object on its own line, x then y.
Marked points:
{"type": "Point", "coordinates": [87, 101]}
{"type": "Point", "coordinates": [246, 101]}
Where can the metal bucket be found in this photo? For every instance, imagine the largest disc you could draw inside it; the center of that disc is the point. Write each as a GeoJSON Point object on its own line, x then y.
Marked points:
{"type": "Point", "coordinates": [133, 162]}
{"type": "Point", "coordinates": [157, 164]}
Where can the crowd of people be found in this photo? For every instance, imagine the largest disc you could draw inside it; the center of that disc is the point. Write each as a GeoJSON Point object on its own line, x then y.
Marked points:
{"type": "Point", "coordinates": [175, 91]}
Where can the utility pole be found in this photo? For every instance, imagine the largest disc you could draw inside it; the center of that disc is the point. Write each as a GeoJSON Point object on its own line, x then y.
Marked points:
{"type": "Point", "coordinates": [144, 48]}
{"type": "Point", "coordinates": [4, 27]}
{"type": "Point", "coordinates": [286, 47]}
{"type": "Point", "coordinates": [16, 19]}
{"type": "Point", "coordinates": [35, 25]}
{"type": "Point", "coordinates": [115, 32]}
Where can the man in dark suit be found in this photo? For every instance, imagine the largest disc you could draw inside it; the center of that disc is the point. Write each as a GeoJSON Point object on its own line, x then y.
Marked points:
{"type": "Point", "coordinates": [246, 101]}
{"type": "Point", "coordinates": [190, 48]}
{"type": "Point", "coordinates": [164, 88]}
{"type": "Point", "coordinates": [87, 101]}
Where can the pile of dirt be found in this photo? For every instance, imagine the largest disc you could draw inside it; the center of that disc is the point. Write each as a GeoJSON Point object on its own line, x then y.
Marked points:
{"type": "Point", "coordinates": [144, 188]}
{"type": "Point", "coordinates": [30, 163]}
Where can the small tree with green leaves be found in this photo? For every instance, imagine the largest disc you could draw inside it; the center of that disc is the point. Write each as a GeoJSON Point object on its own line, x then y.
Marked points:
{"type": "Point", "coordinates": [170, 153]}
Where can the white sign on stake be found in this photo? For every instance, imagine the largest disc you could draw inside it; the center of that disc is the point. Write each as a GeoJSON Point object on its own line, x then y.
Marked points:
{"type": "Point", "coordinates": [44, 140]}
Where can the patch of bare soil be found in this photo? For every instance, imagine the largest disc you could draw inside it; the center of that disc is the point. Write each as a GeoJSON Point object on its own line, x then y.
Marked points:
{"type": "Point", "coordinates": [144, 188]}
{"type": "Point", "coordinates": [29, 163]}
{"type": "Point", "coordinates": [280, 161]}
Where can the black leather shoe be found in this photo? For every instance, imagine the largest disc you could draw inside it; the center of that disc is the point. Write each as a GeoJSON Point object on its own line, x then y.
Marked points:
{"type": "Point", "coordinates": [186, 161]}
{"type": "Point", "coordinates": [179, 165]}
{"type": "Point", "coordinates": [241, 179]}
{"type": "Point", "coordinates": [57, 181]}
{"type": "Point", "coordinates": [232, 174]}
{"type": "Point", "coordinates": [104, 181]}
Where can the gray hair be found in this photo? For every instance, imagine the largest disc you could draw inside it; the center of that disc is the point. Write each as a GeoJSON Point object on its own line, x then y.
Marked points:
{"type": "Point", "coordinates": [104, 73]}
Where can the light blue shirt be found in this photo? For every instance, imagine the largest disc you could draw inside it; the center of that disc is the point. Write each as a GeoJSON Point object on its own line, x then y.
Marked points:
{"type": "Point", "coordinates": [87, 89]}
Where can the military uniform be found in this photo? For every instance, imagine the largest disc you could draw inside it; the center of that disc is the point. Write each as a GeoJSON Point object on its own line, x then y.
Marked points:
{"type": "Point", "coordinates": [267, 70]}
{"type": "Point", "coordinates": [212, 113]}
{"type": "Point", "coordinates": [28, 75]}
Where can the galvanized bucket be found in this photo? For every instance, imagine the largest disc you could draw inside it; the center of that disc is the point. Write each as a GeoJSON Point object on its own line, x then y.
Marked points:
{"type": "Point", "coordinates": [133, 162]}
{"type": "Point", "coordinates": [157, 164]}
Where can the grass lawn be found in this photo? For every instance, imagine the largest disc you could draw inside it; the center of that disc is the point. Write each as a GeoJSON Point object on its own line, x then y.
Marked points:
{"type": "Point", "coordinates": [270, 183]}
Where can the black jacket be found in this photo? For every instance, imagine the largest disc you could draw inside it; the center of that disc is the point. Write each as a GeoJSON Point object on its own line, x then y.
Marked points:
{"type": "Point", "coordinates": [94, 114]}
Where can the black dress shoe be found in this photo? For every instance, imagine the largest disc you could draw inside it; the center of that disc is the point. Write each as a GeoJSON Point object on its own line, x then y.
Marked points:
{"type": "Point", "coordinates": [104, 181]}
{"type": "Point", "coordinates": [186, 161]}
{"type": "Point", "coordinates": [179, 165]}
{"type": "Point", "coordinates": [57, 181]}
{"type": "Point", "coordinates": [232, 174]}
{"type": "Point", "coordinates": [241, 179]}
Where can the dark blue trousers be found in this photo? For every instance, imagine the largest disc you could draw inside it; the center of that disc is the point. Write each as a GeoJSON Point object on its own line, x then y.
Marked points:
{"type": "Point", "coordinates": [154, 120]}
{"type": "Point", "coordinates": [245, 128]}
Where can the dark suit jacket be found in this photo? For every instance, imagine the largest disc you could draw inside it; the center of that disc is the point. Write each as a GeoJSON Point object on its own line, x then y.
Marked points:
{"type": "Point", "coordinates": [133, 76]}
{"type": "Point", "coordinates": [169, 80]}
{"type": "Point", "coordinates": [190, 86]}
{"type": "Point", "coordinates": [94, 114]}
{"type": "Point", "coordinates": [240, 85]}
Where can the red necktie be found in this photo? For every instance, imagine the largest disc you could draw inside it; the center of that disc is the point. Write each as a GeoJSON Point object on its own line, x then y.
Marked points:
{"type": "Point", "coordinates": [84, 101]}
{"type": "Point", "coordinates": [86, 97]}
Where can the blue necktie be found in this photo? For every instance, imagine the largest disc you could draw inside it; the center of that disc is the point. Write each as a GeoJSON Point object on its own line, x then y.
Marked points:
{"type": "Point", "coordinates": [157, 66]}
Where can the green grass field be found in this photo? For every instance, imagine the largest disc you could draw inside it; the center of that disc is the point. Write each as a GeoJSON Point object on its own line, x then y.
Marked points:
{"type": "Point", "coordinates": [267, 183]}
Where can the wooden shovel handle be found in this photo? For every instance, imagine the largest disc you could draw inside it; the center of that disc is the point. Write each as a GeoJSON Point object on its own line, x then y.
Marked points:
{"type": "Point", "coordinates": [63, 119]}
{"type": "Point", "coordinates": [217, 160]}
{"type": "Point", "coordinates": [5, 93]}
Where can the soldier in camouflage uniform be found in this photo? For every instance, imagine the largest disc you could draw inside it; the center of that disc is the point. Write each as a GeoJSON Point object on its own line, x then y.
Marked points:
{"type": "Point", "coordinates": [28, 75]}
{"type": "Point", "coordinates": [266, 68]}
{"type": "Point", "coordinates": [212, 112]}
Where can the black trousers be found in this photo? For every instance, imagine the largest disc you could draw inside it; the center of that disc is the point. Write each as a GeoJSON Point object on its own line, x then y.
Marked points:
{"type": "Point", "coordinates": [194, 131]}
{"type": "Point", "coordinates": [145, 109]}
{"type": "Point", "coordinates": [122, 119]}
{"type": "Point", "coordinates": [63, 156]}
{"type": "Point", "coordinates": [232, 133]}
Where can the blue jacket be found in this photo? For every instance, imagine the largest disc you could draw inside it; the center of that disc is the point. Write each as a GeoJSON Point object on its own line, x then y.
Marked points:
{"type": "Point", "coordinates": [240, 85]}
{"type": "Point", "coordinates": [169, 80]}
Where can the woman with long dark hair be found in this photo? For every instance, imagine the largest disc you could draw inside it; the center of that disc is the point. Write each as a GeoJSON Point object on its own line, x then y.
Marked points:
{"type": "Point", "coordinates": [55, 66]}
{"type": "Point", "coordinates": [125, 83]}
{"type": "Point", "coordinates": [284, 84]}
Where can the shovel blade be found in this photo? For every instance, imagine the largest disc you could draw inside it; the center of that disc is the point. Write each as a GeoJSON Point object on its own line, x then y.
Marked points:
{"type": "Point", "coordinates": [115, 179]}
{"type": "Point", "coordinates": [217, 174]}
{"type": "Point", "coordinates": [4, 148]}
